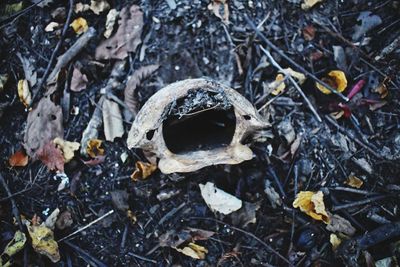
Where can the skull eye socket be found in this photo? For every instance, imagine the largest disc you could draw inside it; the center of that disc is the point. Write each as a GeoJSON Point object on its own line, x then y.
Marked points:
{"type": "Point", "coordinates": [201, 130]}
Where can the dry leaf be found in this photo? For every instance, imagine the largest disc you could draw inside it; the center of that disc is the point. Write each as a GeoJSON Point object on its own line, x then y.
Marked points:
{"type": "Point", "coordinates": [43, 241]}
{"type": "Point", "coordinates": [3, 81]}
{"type": "Point", "coordinates": [312, 204]}
{"type": "Point", "coordinates": [382, 88]}
{"type": "Point", "coordinates": [218, 200]}
{"type": "Point", "coordinates": [44, 123]}
{"type": "Point", "coordinates": [29, 69]}
{"type": "Point", "coordinates": [194, 251]}
{"type": "Point", "coordinates": [338, 224]}
{"type": "Point", "coordinates": [131, 216]}
{"type": "Point", "coordinates": [79, 25]}
{"type": "Point", "coordinates": [12, 248]}
{"type": "Point", "coordinates": [51, 220]}
{"type": "Point", "coordinates": [94, 148]}
{"type": "Point", "coordinates": [18, 159]}
{"type": "Point", "coordinates": [78, 81]}
{"type": "Point", "coordinates": [127, 37]}
{"type": "Point", "coordinates": [68, 148]}
{"type": "Point", "coordinates": [309, 4]}
{"type": "Point", "coordinates": [278, 84]}
{"type": "Point", "coordinates": [309, 32]}
{"type": "Point", "coordinates": [133, 82]}
{"type": "Point", "coordinates": [354, 181]}
{"type": "Point", "coordinates": [112, 120]}
{"type": "Point", "coordinates": [300, 77]}
{"type": "Point", "coordinates": [51, 26]}
{"type": "Point", "coordinates": [111, 19]}
{"type": "Point", "coordinates": [64, 220]}
{"type": "Point", "coordinates": [246, 214]}
{"type": "Point", "coordinates": [336, 79]}
{"type": "Point", "coordinates": [335, 241]}
{"type": "Point", "coordinates": [98, 6]}
{"type": "Point", "coordinates": [143, 170]}
{"type": "Point", "coordinates": [215, 6]}
{"type": "Point", "coordinates": [51, 156]}
{"type": "Point", "coordinates": [80, 7]}
{"type": "Point", "coordinates": [24, 93]}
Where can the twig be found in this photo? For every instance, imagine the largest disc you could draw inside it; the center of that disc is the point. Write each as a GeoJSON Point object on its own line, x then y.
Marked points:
{"type": "Point", "coordinates": [87, 226]}
{"type": "Point", "coordinates": [14, 210]}
{"type": "Point", "coordinates": [311, 107]}
{"type": "Point", "coordinates": [357, 203]}
{"type": "Point", "coordinates": [141, 257]}
{"type": "Point", "coordinates": [86, 256]}
{"type": "Point", "coordinates": [291, 61]}
{"type": "Point", "coordinates": [171, 213]}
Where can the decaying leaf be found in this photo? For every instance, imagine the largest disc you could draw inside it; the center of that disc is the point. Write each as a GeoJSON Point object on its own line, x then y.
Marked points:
{"type": "Point", "coordinates": [68, 148]}
{"type": "Point", "coordinates": [218, 200]}
{"type": "Point", "coordinates": [110, 22]}
{"type": "Point", "coordinates": [312, 204]}
{"type": "Point", "coordinates": [13, 247]}
{"type": "Point", "coordinates": [300, 77]}
{"type": "Point", "coordinates": [10, 9]}
{"type": "Point", "coordinates": [3, 81]}
{"type": "Point", "coordinates": [336, 79]}
{"type": "Point", "coordinates": [127, 37]}
{"type": "Point", "coordinates": [354, 181]}
{"type": "Point", "coordinates": [131, 216]}
{"type": "Point", "coordinates": [307, 4]}
{"type": "Point", "coordinates": [29, 69]}
{"type": "Point", "coordinates": [80, 7]}
{"type": "Point", "coordinates": [338, 224]}
{"type": "Point", "coordinates": [366, 21]}
{"type": "Point", "coordinates": [382, 88]}
{"type": "Point", "coordinates": [245, 215]}
{"type": "Point", "coordinates": [24, 93]}
{"type": "Point", "coordinates": [18, 159]}
{"type": "Point", "coordinates": [194, 251]}
{"type": "Point", "coordinates": [143, 170]}
{"type": "Point", "coordinates": [98, 6]}
{"type": "Point", "coordinates": [215, 6]}
{"type": "Point", "coordinates": [43, 241]}
{"type": "Point", "coordinates": [94, 148]}
{"type": "Point", "coordinates": [44, 123]}
{"type": "Point", "coordinates": [112, 120]}
{"type": "Point", "coordinates": [51, 156]}
{"type": "Point", "coordinates": [50, 221]}
{"type": "Point", "coordinates": [64, 220]}
{"type": "Point", "coordinates": [133, 82]}
{"type": "Point", "coordinates": [335, 241]}
{"type": "Point", "coordinates": [78, 81]}
{"type": "Point", "coordinates": [119, 199]}
{"type": "Point", "coordinates": [309, 32]}
{"type": "Point", "coordinates": [51, 26]}
{"type": "Point", "coordinates": [79, 25]}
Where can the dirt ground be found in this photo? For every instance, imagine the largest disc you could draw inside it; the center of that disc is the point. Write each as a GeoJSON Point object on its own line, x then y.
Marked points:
{"type": "Point", "coordinates": [345, 145]}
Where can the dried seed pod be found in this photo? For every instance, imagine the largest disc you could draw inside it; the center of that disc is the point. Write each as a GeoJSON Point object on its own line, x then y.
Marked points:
{"type": "Point", "coordinates": [195, 123]}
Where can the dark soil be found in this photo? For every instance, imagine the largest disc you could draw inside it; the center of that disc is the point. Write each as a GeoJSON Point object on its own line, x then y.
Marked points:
{"type": "Point", "coordinates": [187, 42]}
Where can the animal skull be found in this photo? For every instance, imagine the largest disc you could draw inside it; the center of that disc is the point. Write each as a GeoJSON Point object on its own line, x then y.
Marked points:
{"type": "Point", "coordinates": [195, 123]}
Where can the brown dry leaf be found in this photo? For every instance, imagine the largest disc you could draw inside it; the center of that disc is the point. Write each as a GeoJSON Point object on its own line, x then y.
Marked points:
{"type": "Point", "coordinates": [68, 148]}
{"type": "Point", "coordinates": [24, 93]}
{"type": "Point", "coordinates": [133, 82]}
{"type": "Point", "coordinates": [44, 123]}
{"type": "Point", "coordinates": [112, 120]}
{"type": "Point", "coordinates": [194, 251]}
{"type": "Point", "coordinates": [94, 148]}
{"type": "Point", "coordinates": [143, 170]}
{"type": "Point", "coordinates": [174, 238]}
{"type": "Point", "coordinates": [80, 7]}
{"type": "Point", "coordinates": [307, 4]}
{"type": "Point", "coordinates": [382, 88]}
{"type": "Point", "coordinates": [127, 37]}
{"type": "Point", "coordinates": [78, 81]}
{"type": "Point", "coordinates": [51, 26]}
{"type": "Point", "coordinates": [79, 25]}
{"type": "Point", "coordinates": [312, 204]}
{"type": "Point", "coordinates": [309, 32]}
{"type": "Point", "coordinates": [335, 241]}
{"type": "Point", "coordinates": [215, 6]}
{"type": "Point", "coordinates": [43, 241]}
{"type": "Point", "coordinates": [51, 156]}
{"type": "Point", "coordinates": [354, 181]}
{"type": "Point", "coordinates": [336, 79]}
{"type": "Point", "coordinates": [131, 216]}
{"type": "Point", "coordinates": [98, 6]}
{"type": "Point", "coordinates": [18, 159]}
{"type": "Point", "coordinates": [278, 84]}
{"type": "Point", "coordinates": [110, 22]}
{"type": "Point", "coordinates": [338, 224]}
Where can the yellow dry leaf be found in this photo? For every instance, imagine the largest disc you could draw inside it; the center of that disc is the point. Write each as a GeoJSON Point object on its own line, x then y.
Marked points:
{"type": "Point", "coordinates": [335, 241]}
{"type": "Point", "coordinates": [193, 250]}
{"type": "Point", "coordinates": [354, 181]}
{"type": "Point", "coordinates": [13, 247]}
{"type": "Point", "coordinates": [336, 79]}
{"type": "Point", "coordinates": [279, 84]}
{"type": "Point", "coordinates": [309, 4]}
{"type": "Point", "coordinates": [312, 204]}
{"type": "Point", "coordinates": [131, 216]}
{"type": "Point", "coordinates": [24, 93]}
{"type": "Point", "coordinates": [300, 77]}
{"type": "Point", "coordinates": [94, 148]}
{"type": "Point", "coordinates": [79, 25]}
{"type": "Point", "coordinates": [68, 148]}
{"type": "Point", "coordinates": [43, 241]}
{"type": "Point", "coordinates": [143, 170]}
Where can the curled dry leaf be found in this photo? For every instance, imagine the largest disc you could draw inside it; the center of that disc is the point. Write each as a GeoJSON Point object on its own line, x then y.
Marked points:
{"type": "Point", "coordinates": [98, 6]}
{"type": "Point", "coordinates": [51, 26]}
{"type": "Point", "coordinates": [24, 93]}
{"type": "Point", "coordinates": [194, 251]}
{"type": "Point", "coordinates": [307, 4]}
{"type": "Point", "coordinates": [215, 7]}
{"type": "Point", "coordinates": [127, 37]}
{"type": "Point", "coordinates": [44, 123]}
{"type": "Point", "coordinates": [43, 241]}
{"type": "Point", "coordinates": [354, 181]}
{"type": "Point", "coordinates": [68, 148]}
{"type": "Point", "coordinates": [338, 224]}
{"type": "Point", "coordinates": [143, 170]}
{"type": "Point", "coordinates": [51, 220]}
{"type": "Point", "coordinates": [80, 7]}
{"type": "Point", "coordinates": [382, 88]}
{"type": "Point", "coordinates": [336, 79]}
{"type": "Point", "coordinates": [309, 32]}
{"type": "Point", "coordinates": [112, 120]}
{"type": "Point", "coordinates": [64, 220]}
{"type": "Point", "coordinates": [300, 77]}
{"type": "Point", "coordinates": [79, 25]}
{"type": "Point", "coordinates": [94, 148]}
{"type": "Point", "coordinates": [18, 159]}
{"type": "Point", "coordinates": [51, 156]}
{"type": "Point", "coordinates": [13, 247]}
{"type": "Point", "coordinates": [218, 200]}
{"type": "Point", "coordinates": [312, 204]}
{"type": "Point", "coordinates": [335, 241]}
{"type": "Point", "coordinates": [78, 81]}
{"type": "Point", "coordinates": [111, 19]}
{"type": "Point", "coordinates": [278, 85]}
